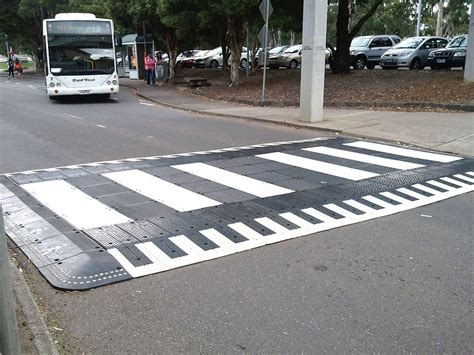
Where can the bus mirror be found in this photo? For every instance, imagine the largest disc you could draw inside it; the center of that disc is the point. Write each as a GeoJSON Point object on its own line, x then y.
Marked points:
{"type": "Point", "coordinates": [118, 40]}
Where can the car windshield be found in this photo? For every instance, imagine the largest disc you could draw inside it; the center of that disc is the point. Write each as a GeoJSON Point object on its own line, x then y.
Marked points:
{"type": "Point", "coordinates": [457, 42]}
{"type": "Point", "coordinates": [409, 43]}
{"type": "Point", "coordinates": [293, 49]}
{"type": "Point", "coordinates": [360, 42]}
{"type": "Point", "coordinates": [276, 50]}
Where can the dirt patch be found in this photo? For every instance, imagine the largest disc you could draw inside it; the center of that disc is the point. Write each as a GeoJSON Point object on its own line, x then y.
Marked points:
{"type": "Point", "coordinates": [359, 88]}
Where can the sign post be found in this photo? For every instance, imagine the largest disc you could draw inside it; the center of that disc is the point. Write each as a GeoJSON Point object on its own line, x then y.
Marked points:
{"type": "Point", "coordinates": [266, 10]}
{"type": "Point", "coordinates": [469, 66]}
{"type": "Point", "coordinates": [313, 61]}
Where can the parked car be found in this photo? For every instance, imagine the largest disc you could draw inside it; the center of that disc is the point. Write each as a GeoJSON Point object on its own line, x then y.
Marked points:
{"type": "Point", "coordinates": [454, 55]}
{"type": "Point", "coordinates": [184, 56]}
{"type": "Point", "coordinates": [290, 58]}
{"type": "Point", "coordinates": [412, 52]}
{"type": "Point", "coordinates": [272, 54]}
{"type": "Point", "coordinates": [367, 50]}
{"type": "Point", "coordinates": [207, 59]}
{"type": "Point", "coordinates": [218, 59]}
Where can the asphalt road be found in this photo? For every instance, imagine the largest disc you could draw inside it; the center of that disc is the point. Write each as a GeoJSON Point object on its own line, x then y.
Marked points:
{"type": "Point", "coordinates": [399, 283]}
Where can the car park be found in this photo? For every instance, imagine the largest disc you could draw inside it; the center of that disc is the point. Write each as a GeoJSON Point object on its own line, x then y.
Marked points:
{"type": "Point", "coordinates": [290, 58]}
{"type": "Point", "coordinates": [185, 57]}
{"type": "Point", "coordinates": [454, 55]}
{"type": "Point", "coordinates": [218, 59]}
{"type": "Point", "coordinates": [366, 50]}
{"type": "Point", "coordinates": [412, 52]}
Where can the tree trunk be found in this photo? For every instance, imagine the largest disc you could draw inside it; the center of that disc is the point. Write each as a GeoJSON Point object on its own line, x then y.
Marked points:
{"type": "Point", "coordinates": [170, 43]}
{"type": "Point", "coordinates": [342, 57]}
{"type": "Point", "coordinates": [234, 39]}
{"type": "Point", "coordinates": [439, 22]}
{"type": "Point", "coordinates": [292, 38]}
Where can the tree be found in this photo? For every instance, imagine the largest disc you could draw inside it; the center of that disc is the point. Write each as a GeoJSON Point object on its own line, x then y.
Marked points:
{"type": "Point", "coordinates": [345, 34]}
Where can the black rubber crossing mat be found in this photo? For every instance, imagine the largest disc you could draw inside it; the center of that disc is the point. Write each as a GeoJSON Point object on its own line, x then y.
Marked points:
{"type": "Point", "coordinates": [90, 225]}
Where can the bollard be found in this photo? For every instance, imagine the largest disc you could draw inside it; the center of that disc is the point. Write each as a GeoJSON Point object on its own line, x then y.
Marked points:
{"type": "Point", "coordinates": [9, 341]}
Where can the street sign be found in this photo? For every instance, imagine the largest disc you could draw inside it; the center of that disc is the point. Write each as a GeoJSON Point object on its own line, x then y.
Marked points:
{"type": "Point", "coordinates": [261, 35]}
{"type": "Point", "coordinates": [263, 9]}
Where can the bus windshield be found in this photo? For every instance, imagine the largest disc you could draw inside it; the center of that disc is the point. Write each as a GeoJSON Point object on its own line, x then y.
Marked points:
{"type": "Point", "coordinates": [80, 48]}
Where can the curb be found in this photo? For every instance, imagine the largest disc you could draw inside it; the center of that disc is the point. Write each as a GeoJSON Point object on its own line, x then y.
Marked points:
{"type": "Point", "coordinates": [42, 340]}
{"type": "Point", "coordinates": [354, 104]}
{"type": "Point", "coordinates": [281, 123]}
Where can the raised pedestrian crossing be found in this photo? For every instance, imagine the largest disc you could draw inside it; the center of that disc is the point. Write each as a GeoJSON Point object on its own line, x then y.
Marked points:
{"type": "Point", "coordinates": [93, 224]}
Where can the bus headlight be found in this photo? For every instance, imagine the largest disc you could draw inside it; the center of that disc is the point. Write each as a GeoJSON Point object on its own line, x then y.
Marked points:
{"type": "Point", "coordinates": [109, 82]}
{"type": "Point", "coordinates": [58, 85]}
{"type": "Point", "coordinates": [51, 84]}
{"type": "Point", "coordinates": [115, 82]}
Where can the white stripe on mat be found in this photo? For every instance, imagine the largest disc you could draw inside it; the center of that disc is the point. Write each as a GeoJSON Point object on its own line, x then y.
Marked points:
{"type": "Point", "coordinates": [319, 166]}
{"type": "Point", "coordinates": [160, 190]}
{"type": "Point", "coordinates": [236, 181]}
{"type": "Point", "coordinates": [364, 158]}
{"type": "Point", "coordinates": [403, 151]}
{"type": "Point", "coordinates": [76, 207]}
{"type": "Point", "coordinates": [465, 178]}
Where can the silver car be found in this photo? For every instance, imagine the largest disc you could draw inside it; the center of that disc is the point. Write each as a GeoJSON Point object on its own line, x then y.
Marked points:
{"type": "Point", "coordinates": [411, 52]}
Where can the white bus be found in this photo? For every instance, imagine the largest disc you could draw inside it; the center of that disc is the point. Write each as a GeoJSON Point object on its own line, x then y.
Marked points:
{"type": "Point", "coordinates": [79, 55]}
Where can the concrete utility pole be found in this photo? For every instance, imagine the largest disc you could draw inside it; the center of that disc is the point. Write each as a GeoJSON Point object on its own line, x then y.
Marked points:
{"type": "Point", "coordinates": [313, 62]}
{"type": "Point", "coordinates": [469, 67]}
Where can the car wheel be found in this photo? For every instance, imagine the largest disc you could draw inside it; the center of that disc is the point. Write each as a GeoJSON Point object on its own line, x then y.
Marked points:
{"type": "Point", "coordinates": [360, 62]}
{"type": "Point", "coordinates": [243, 63]}
{"type": "Point", "coordinates": [370, 65]}
{"type": "Point", "coordinates": [415, 64]}
{"type": "Point", "coordinates": [213, 64]}
{"type": "Point", "coordinates": [293, 64]}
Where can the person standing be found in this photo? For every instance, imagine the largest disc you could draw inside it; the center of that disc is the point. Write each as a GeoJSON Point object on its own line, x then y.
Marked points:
{"type": "Point", "coordinates": [18, 67]}
{"type": "Point", "coordinates": [150, 66]}
{"type": "Point", "coordinates": [11, 68]}
{"type": "Point", "coordinates": [160, 63]}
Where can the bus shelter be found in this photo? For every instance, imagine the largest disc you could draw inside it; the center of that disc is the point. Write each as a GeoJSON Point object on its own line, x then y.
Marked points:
{"type": "Point", "coordinates": [133, 52]}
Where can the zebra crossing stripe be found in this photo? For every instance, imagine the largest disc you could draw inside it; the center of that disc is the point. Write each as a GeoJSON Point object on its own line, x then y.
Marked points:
{"type": "Point", "coordinates": [340, 210]}
{"type": "Point", "coordinates": [403, 151]}
{"type": "Point", "coordinates": [236, 181]}
{"type": "Point", "coordinates": [364, 158]}
{"type": "Point", "coordinates": [377, 201]}
{"type": "Point", "coordinates": [465, 178]}
{"type": "Point", "coordinates": [454, 182]}
{"type": "Point", "coordinates": [359, 206]}
{"type": "Point", "coordinates": [318, 166]}
{"type": "Point", "coordinates": [272, 225]}
{"type": "Point", "coordinates": [300, 222]}
{"type": "Point", "coordinates": [76, 207]}
{"type": "Point", "coordinates": [411, 193]}
{"type": "Point", "coordinates": [394, 197]}
{"type": "Point", "coordinates": [319, 215]}
{"type": "Point", "coordinates": [427, 189]}
{"type": "Point", "coordinates": [160, 190]}
{"type": "Point", "coordinates": [440, 185]}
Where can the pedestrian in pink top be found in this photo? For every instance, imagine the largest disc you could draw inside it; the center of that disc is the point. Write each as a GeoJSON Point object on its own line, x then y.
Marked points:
{"type": "Point", "coordinates": [150, 64]}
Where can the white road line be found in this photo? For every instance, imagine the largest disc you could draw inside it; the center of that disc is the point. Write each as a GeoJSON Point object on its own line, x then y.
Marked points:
{"type": "Point", "coordinates": [340, 210]}
{"type": "Point", "coordinates": [440, 185]}
{"type": "Point", "coordinates": [300, 222]}
{"type": "Point", "coordinates": [470, 173]}
{"type": "Point", "coordinates": [411, 193]}
{"type": "Point", "coordinates": [427, 189]}
{"type": "Point", "coordinates": [160, 190]}
{"type": "Point", "coordinates": [76, 207]}
{"type": "Point", "coordinates": [364, 158]}
{"type": "Point", "coordinates": [359, 206]}
{"type": "Point", "coordinates": [465, 178]}
{"type": "Point", "coordinates": [100, 126]}
{"type": "Point", "coordinates": [186, 245]}
{"type": "Point", "coordinates": [246, 231]}
{"type": "Point", "coordinates": [236, 181]}
{"type": "Point", "coordinates": [272, 225]}
{"type": "Point", "coordinates": [454, 182]}
{"type": "Point", "coordinates": [319, 166]}
{"type": "Point", "coordinates": [319, 215]}
{"type": "Point", "coordinates": [377, 201]}
{"type": "Point", "coordinates": [146, 104]}
{"type": "Point", "coordinates": [403, 151]}
{"type": "Point", "coordinates": [218, 238]}
{"type": "Point", "coordinates": [394, 197]}
{"type": "Point", "coordinates": [72, 116]}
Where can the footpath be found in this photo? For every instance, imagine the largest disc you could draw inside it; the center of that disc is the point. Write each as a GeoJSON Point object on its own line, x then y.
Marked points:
{"type": "Point", "coordinates": [451, 132]}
